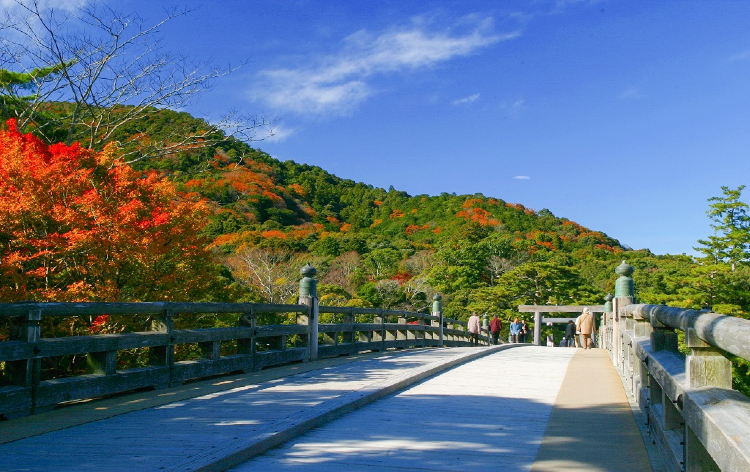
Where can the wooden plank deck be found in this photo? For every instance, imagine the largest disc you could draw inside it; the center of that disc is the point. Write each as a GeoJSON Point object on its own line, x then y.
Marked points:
{"type": "Point", "coordinates": [493, 410]}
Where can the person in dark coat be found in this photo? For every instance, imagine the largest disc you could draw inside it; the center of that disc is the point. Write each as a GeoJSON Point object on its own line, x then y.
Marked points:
{"type": "Point", "coordinates": [524, 332]}
{"type": "Point", "coordinates": [570, 333]}
{"type": "Point", "coordinates": [495, 326]}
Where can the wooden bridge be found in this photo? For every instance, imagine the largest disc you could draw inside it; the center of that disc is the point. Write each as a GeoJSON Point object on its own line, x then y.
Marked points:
{"type": "Point", "coordinates": [368, 390]}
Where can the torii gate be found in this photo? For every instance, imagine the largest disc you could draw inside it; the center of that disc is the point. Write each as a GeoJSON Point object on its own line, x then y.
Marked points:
{"type": "Point", "coordinates": [539, 309]}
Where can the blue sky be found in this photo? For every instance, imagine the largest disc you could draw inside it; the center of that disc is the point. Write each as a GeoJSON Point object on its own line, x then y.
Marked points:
{"type": "Point", "coordinates": [624, 116]}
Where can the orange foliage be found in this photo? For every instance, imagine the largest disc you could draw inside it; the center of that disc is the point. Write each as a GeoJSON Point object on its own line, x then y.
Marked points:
{"type": "Point", "coordinates": [333, 220]}
{"type": "Point", "coordinates": [478, 215]}
{"type": "Point", "coordinates": [411, 229]}
{"type": "Point", "coordinates": [273, 233]}
{"type": "Point", "coordinates": [396, 214]}
{"type": "Point", "coordinates": [608, 248]}
{"type": "Point", "coordinates": [520, 207]}
{"type": "Point", "coordinates": [402, 277]}
{"type": "Point", "coordinates": [345, 227]}
{"type": "Point", "coordinates": [79, 225]}
{"type": "Point", "coordinates": [575, 225]}
{"type": "Point", "coordinates": [472, 202]}
{"type": "Point", "coordinates": [273, 197]}
{"type": "Point", "coordinates": [377, 202]}
{"type": "Point", "coordinates": [376, 222]}
{"type": "Point", "coordinates": [297, 188]}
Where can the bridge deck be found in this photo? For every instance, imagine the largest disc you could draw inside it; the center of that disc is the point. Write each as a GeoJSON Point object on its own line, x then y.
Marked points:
{"type": "Point", "coordinates": [496, 410]}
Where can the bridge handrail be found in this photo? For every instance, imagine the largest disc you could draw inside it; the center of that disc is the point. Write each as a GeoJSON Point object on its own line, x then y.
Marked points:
{"type": "Point", "coordinates": [252, 345]}
{"type": "Point", "coordinates": [143, 308]}
{"type": "Point", "coordinates": [728, 333]}
{"type": "Point", "coordinates": [346, 310]}
{"type": "Point", "coordinates": [694, 416]}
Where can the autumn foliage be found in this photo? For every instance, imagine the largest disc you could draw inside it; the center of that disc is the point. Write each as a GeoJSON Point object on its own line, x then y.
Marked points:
{"type": "Point", "coordinates": [80, 225]}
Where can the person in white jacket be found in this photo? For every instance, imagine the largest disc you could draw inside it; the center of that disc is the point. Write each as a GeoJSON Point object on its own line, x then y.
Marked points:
{"type": "Point", "coordinates": [474, 326]}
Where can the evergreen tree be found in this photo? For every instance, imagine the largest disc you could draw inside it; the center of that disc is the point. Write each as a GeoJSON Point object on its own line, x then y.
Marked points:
{"type": "Point", "coordinates": [731, 241]}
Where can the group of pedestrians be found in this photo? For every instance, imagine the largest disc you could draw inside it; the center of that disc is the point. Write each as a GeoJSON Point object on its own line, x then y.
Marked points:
{"type": "Point", "coordinates": [577, 334]}
{"type": "Point", "coordinates": [474, 326]}
{"type": "Point", "coordinates": [518, 331]}
{"type": "Point", "coordinates": [581, 332]}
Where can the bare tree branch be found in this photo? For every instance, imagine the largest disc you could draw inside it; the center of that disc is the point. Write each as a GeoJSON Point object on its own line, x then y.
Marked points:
{"type": "Point", "coordinates": [116, 75]}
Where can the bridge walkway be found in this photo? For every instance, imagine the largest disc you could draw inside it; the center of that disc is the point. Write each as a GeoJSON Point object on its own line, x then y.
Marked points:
{"type": "Point", "coordinates": [505, 408]}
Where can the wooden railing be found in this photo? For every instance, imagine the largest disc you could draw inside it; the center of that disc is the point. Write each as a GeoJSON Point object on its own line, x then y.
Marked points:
{"type": "Point", "coordinates": [696, 419]}
{"type": "Point", "coordinates": [244, 346]}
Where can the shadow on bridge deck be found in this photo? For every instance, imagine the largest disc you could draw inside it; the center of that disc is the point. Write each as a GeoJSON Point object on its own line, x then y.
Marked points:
{"type": "Point", "coordinates": [592, 426]}
{"type": "Point", "coordinates": [492, 413]}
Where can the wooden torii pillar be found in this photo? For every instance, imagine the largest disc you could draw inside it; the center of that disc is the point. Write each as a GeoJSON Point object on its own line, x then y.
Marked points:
{"type": "Point", "coordinates": [539, 309]}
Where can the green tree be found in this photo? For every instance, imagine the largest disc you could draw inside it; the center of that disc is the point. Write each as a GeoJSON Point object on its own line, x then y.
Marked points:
{"type": "Point", "coordinates": [731, 223]}
{"type": "Point", "coordinates": [541, 283]}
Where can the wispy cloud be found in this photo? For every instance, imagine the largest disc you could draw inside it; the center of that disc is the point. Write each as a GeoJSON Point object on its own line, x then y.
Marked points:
{"type": "Point", "coordinates": [513, 109]}
{"type": "Point", "coordinates": [279, 133]}
{"type": "Point", "coordinates": [338, 83]}
{"type": "Point", "coordinates": [631, 93]}
{"type": "Point", "coordinates": [522, 177]}
{"type": "Point", "coordinates": [743, 56]}
{"type": "Point", "coordinates": [469, 99]}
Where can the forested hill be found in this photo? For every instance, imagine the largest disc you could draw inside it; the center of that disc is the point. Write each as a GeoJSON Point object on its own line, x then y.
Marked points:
{"type": "Point", "coordinates": [371, 246]}
{"type": "Point", "coordinates": [256, 196]}
{"type": "Point", "coordinates": [382, 247]}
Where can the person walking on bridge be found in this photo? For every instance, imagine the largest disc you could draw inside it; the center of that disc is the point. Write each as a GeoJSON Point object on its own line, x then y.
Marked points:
{"type": "Point", "coordinates": [586, 326]}
{"type": "Point", "coordinates": [515, 330]}
{"type": "Point", "coordinates": [474, 326]}
{"type": "Point", "coordinates": [495, 326]}
{"type": "Point", "coordinates": [570, 333]}
{"type": "Point", "coordinates": [524, 332]}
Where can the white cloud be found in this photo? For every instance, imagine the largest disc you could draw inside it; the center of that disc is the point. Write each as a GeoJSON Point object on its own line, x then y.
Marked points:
{"type": "Point", "coordinates": [279, 134]}
{"type": "Point", "coordinates": [632, 93]}
{"type": "Point", "coordinates": [469, 99]}
{"type": "Point", "coordinates": [336, 84]}
{"type": "Point", "coordinates": [522, 177]}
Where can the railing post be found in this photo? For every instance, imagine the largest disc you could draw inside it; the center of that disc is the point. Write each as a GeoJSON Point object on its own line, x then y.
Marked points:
{"type": "Point", "coordinates": [537, 328]}
{"type": "Point", "coordinates": [663, 338]}
{"type": "Point", "coordinates": [485, 328]}
{"type": "Point", "coordinates": [705, 366]}
{"type": "Point", "coordinates": [641, 328]}
{"type": "Point", "coordinates": [624, 296]}
{"type": "Point", "coordinates": [163, 356]}
{"type": "Point", "coordinates": [437, 310]}
{"type": "Point", "coordinates": [308, 295]}
{"type": "Point", "coordinates": [401, 333]}
{"type": "Point", "coordinates": [348, 334]}
{"type": "Point", "coordinates": [26, 373]}
{"type": "Point", "coordinates": [605, 327]}
{"type": "Point", "coordinates": [247, 345]}
{"type": "Point", "coordinates": [378, 334]}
